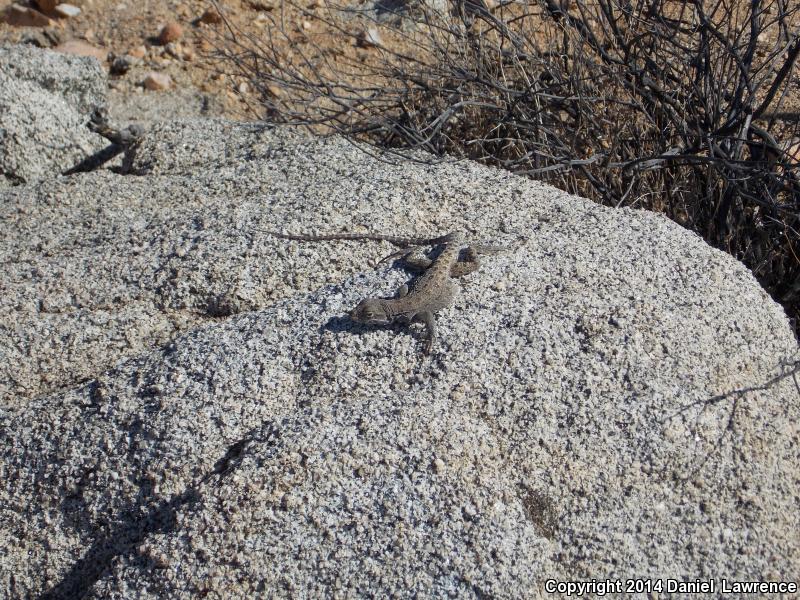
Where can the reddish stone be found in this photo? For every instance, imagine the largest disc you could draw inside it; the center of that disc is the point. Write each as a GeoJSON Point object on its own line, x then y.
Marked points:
{"type": "Point", "coordinates": [157, 81]}
{"type": "Point", "coordinates": [21, 16]}
{"type": "Point", "coordinates": [171, 32]}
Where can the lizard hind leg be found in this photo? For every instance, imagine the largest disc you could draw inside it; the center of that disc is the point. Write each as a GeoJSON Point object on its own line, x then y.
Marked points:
{"type": "Point", "coordinates": [401, 254]}
{"type": "Point", "coordinates": [417, 260]}
{"type": "Point", "coordinates": [413, 258]}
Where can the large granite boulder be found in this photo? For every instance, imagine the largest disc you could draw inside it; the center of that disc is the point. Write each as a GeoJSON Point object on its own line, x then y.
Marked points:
{"type": "Point", "coordinates": [46, 99]}
{"type": "Point", "coordinates": [187, 411]}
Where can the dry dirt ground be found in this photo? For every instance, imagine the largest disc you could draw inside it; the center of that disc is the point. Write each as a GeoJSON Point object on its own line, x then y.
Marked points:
{"type": "Point", "coordinates": [127, 32]}
{"type": "Point", "coordinates": [128, 28]}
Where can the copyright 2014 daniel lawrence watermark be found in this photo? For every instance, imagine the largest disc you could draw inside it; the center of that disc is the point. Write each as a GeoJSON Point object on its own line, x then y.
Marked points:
{"type": "Point", "coordinates": [601, 587]}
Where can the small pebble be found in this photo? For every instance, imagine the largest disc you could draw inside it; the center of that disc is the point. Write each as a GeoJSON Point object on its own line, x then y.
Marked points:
{"type": "Point", "coordinates": [67, 11]}
{"type": "Point", "coordinates": [174, 49]}
{"type": "Point", "coordinates": [20, 16]}
{"type": "Point", "coordinates": [370, 37]}
{"type": "Point", "coordinates": [46, 5]}
{"type": "Point", "coordinates": [171, 32]}
{"type": "Point", "coordinates": [122, 64]}
{"type": "Point", "coordinates": [157, 81]}
{"type": "Point", "coordinates": [138, 51]}
{"type": "Point", "coordinates": [211, 16]}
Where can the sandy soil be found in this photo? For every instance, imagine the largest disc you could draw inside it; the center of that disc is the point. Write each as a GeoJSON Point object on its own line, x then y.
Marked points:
{"type": "Point", "coordinates": [127, 27]}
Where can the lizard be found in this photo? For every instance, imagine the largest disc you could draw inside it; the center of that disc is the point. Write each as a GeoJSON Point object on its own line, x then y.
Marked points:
{"type": "Point", "coordinates": [430, 292]}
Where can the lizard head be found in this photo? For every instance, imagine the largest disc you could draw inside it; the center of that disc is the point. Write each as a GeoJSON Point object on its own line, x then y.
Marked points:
{"type": "Point", "coordinates": [371, 312]}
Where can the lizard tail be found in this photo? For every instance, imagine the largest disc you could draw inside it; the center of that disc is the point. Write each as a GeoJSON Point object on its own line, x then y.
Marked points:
{"type": "Point", "coordinates": [399, 241]}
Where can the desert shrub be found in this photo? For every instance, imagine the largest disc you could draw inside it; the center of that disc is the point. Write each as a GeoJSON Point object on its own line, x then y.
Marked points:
{"type": "Point", "coordinates": [687, 107]}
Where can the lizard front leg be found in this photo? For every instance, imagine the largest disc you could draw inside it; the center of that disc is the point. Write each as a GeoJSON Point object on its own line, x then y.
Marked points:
{"type": "Point", "coordinates": [426, 318]}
